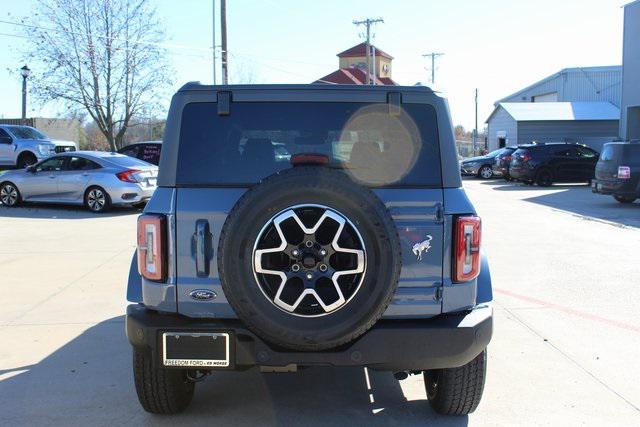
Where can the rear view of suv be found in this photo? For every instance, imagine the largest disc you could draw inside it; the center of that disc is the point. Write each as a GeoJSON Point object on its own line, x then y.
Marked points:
{"type": "Point", "coordinates": [309, 225]}
{"type": "Point", "coordinates": [545, 164]}
{"type": "Point", "coordinates": [618, 171]}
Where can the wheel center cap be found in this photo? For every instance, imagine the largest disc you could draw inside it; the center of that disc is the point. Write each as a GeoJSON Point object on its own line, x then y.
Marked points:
{"type": "Point", "coordinates": [309, 261]}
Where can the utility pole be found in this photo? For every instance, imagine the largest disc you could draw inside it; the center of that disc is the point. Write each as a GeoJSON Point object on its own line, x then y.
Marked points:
{"type": "Point", "coordinates": [433, 56]}
{"type": "Point", "coordinates": [475, 130]}
{"type": "Point", "coordinates": [213, 32]}
{"type": "Point", "coordinates": [223, 30]}
{"type": "Point", "coordinates": [368, 23]}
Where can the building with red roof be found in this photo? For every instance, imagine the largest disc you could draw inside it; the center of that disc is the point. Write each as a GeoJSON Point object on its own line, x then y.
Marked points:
{"type": "Point", "coordinates": [352, 69]}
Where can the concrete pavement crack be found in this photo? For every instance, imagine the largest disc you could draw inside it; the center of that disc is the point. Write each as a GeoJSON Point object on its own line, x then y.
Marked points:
{"type": "Point", "coordinates": [570, 359]}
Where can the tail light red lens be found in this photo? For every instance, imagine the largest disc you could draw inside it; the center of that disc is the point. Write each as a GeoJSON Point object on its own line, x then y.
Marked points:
{"type": "Point", "coordinates": [152, 255]}
{"type": "Point", "coordinates": [525, 157]}
{"type": "Point", "coordinates": [127, 176]}
{"type": "Point", "coordinates": [507, 158]}
{"type": "Point", "coordinates": [624, 172]}
{"type": "Point", "coordinates": [468, 232]}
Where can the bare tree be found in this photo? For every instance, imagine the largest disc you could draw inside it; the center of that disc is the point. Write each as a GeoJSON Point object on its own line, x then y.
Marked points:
{"type": "Point", "coordinates": [101, 56]}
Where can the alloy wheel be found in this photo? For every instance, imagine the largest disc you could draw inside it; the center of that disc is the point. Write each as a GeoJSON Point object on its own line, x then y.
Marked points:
{"type": "Point", "coordinates": [96, 199]}
{"type": "Point", "coordinates": [8, 195]}
{"type": "Point", "coordinates": [486, 172]}
{"type": "Point", "coordinates": [309, 260]}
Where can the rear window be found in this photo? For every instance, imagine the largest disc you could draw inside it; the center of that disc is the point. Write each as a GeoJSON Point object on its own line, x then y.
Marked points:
{"type": "Point", "coordinates": [258, 139]}
{"type": "Point", "coordinates": [608, 153]}
{"type": "Point", "coordinates": [126, 161]}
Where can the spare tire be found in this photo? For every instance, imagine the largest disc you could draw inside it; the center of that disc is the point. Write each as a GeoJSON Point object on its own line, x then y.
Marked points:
{"type": "Point", "coordinates": [308, 259]}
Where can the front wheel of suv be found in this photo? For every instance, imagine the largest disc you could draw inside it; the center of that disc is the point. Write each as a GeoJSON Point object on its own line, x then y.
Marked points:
{"type": "Point", "coordinates": [457, 391]}
{"type": "Point", "coordinates": [160, 391]}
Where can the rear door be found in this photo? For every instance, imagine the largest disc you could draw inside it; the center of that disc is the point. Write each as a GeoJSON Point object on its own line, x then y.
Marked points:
{"type": "Point", "coordinates": [221, 156]}
{"type": "Point", "coordinates": [72, 182]}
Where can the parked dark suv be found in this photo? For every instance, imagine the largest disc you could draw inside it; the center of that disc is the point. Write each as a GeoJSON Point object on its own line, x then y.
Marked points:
{"type": "Point", "coordinates": [618, 171]}
{"type": "Point", "coordinates": [307, 225]}
{"type": "Point", "coordinates": [552, 162]}
{"type": "Point", "coordinates": [148, 151]}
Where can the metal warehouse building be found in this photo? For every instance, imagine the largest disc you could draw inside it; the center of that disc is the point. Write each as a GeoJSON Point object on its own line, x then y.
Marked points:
{"type": "Point", "coordinates": [630, 111]}
{"type": "Point", "coordinates": [573, 105]}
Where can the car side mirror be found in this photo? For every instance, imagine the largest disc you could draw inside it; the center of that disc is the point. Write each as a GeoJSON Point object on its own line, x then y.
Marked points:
{"type": "Point", "coordinates": [5, 140]}
{"type": "Point", "coordinates": [31, 168]}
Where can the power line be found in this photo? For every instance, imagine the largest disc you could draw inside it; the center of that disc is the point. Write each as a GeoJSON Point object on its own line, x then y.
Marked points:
{"type": "Point", "coordinates": [368, 23]}
{"type": "Point", "coordinates": [433, 56]}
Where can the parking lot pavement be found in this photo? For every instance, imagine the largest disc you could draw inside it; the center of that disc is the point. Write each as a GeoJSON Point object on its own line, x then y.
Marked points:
{"type": "Point", "coordinates": [565, 349]}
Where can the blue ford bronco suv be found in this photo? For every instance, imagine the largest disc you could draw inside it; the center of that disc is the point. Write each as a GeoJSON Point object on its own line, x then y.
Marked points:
{"type": "Point", "coordinates": [309, 225]}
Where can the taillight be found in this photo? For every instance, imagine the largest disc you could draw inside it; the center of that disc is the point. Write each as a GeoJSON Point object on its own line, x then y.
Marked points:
{"type": "Point", "coordinates": [152, 257]}
{"type": "Point", "coordinates": [507, 158]}
{"type": "Point", "coordinates": [467, 248]}
{"type": "Point", "coordinates": [525, 157]}
{"type": "Point", "coordinates": [624, 172]}
{"type": "Point", "coordinates": [128, 175]}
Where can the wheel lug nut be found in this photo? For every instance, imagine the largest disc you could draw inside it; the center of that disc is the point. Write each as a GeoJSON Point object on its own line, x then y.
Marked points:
{"type": "Point", "coordinates": [309, 276]}
{"type": "Point", "coordinates": [323, 267]}
{"type": "Point", "coordinates": [295, 252]}
{"type": "Point", "coordinates": [323, 252]}
{"type": "Point", "coordinates": [309, 243]}
{"type": "Point", "coordinates": [295, 267]}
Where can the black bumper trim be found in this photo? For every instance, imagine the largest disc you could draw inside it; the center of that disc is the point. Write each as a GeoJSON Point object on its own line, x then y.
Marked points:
{"type": "Point", "coordinates": [446, 341]}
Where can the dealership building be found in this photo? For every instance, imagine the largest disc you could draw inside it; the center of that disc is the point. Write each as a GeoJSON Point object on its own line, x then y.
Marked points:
{"type": "Point", "coordinates": [572, 105]}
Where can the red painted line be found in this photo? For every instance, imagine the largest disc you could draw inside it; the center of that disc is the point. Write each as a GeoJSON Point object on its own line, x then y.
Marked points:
{"type": "Point", "coordinates": [568, 310]}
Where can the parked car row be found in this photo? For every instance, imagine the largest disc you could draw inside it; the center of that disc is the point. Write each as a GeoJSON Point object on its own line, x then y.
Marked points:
{"type": "Point", "coordinates": [616, 171]}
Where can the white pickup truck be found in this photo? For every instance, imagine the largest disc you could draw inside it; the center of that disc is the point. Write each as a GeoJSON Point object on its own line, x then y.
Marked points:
{"type": "Point", "coordinates": [21, 146]}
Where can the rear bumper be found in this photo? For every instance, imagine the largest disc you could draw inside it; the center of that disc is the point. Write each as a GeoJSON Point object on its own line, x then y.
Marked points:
{"type": "Point", "coordinates": [522, 173]}
{"type": "Point", "coordinates": [623, 188]}
{"type": "Point", "coordinates": [446, 341]}
{"type": "Point", "coordinates": [130, 194]}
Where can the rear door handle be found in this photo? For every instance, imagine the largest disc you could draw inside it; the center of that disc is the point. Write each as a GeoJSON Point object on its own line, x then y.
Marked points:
{"type": "Point", "coordinates": [201, 237]}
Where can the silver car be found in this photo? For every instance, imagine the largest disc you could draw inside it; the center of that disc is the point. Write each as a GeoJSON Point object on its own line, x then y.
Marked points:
{"type": "Point", "coordinates": [94, 179]}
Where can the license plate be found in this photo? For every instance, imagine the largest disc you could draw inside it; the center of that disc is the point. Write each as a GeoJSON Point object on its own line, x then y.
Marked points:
{"type": "Point", "coordinates": [598, 186]}
{"type": "Point", "coordinates": [196, 349]}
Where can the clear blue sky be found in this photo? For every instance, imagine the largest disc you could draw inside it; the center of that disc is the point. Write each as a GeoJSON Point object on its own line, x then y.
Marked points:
{"type": "Point", "coordinates": [498, 46]}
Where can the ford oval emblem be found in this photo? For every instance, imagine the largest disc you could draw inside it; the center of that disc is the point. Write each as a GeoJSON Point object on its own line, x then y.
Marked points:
{"type": "Point", "coordinates": [202, 295]}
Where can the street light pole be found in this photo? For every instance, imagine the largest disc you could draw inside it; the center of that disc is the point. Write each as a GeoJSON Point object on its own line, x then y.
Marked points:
{"type": "Point", "coordinates": [25, 72]}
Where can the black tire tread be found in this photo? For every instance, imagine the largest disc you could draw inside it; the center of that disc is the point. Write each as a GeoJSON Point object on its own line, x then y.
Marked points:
{"type": "Point", "coordinates": [373, 202]}
{"type": "Point", "coordinates": [160, 391]}
{"type": "Point", "coordinates": [459, 389]}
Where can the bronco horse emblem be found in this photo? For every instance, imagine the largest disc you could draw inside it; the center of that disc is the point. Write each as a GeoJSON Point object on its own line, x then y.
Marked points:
{"type": "Point", "coordinates": [422, 247]}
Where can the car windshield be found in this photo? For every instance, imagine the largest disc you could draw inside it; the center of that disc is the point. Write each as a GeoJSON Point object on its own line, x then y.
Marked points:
{"type": "Point", "coordinates": [26, 132]}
